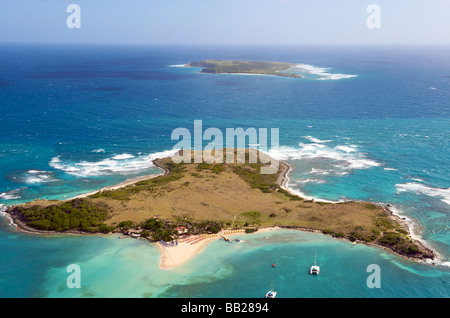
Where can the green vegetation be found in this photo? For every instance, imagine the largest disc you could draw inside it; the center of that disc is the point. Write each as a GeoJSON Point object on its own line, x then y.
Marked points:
{"type": "Point", "coordinates": [246, 67]}
{"type": "Point", "coordinates": [287, 210]}
{"type": "Point", "coordinates": [334, 234]}
{"type": "Point", "coordinates": [204, 166]}
{"type": "Point", "coordinates": [159, 230]}
{"type": "Point", "coordinates": [252, 217]}
{"type": "Point", "coordinates": [399, 243]}
{"type": "Point", "coordinates": [216, 168]}
{"type": "Point", "coordinates": [77, 214]}
{"type": "Point", "coordinates": [290, 196]}
{"type": "Point", "coordinates": [125, 225]}
{"type": "Point", "coordinates": [151, 185]}
{"type": "Point", "coordinates": [251, 174]}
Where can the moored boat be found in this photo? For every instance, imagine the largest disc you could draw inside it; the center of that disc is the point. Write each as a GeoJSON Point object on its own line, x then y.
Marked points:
{"type": "Point", "coordinates": [271, 294]}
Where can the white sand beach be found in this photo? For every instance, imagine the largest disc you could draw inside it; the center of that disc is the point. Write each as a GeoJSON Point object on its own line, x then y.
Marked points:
{"type": "Point", "coordinates": [188, 248]}
{"type": "Point", "coordinates": [119, 185]}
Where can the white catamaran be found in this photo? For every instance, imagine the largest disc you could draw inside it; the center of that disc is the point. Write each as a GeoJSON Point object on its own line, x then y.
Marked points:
{"type": "Point", "coordinates": [314, 270]}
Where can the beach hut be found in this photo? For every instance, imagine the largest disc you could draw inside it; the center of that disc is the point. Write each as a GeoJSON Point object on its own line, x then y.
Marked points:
{"type": "Point", "coordinates": [181, 230]}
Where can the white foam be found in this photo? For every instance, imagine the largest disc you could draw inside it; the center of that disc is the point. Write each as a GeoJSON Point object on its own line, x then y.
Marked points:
{"type": "Point", "coordinates": [322, 72]}
{"type": "Point", "coordinates": [122, 156]}
{"type": "Point", "coordinates": [442, 193]}
{"type": "Point", "coordinates": [350, 148]}
{"type": "Point", "coordinates": [35, 171]}
{"type": "Point", "coordinates": [341, 159]}
{"type": "Point", "coordinates": [10, 195]}
{"type": "Point", "coordinates": [99, 150]}
{"type": "Point", "coordinates": [36, 176]}
{"type": "Point", "coordinates": [119, 164]}
{"type": "Point", "coordinates": [287, 187]}
{"type": "Point", "coordinates": [319, 171]}
{"type": "Point", "coordinates": [316, 140]}
{"type": "Point", "coordinates": [415, 230]}
{"type": "Point", "coordinates": [55, 159]}
{"type": "Point", "coordinates": [344, 156]}
{"type": "Point", "coordinates": [310, 181]}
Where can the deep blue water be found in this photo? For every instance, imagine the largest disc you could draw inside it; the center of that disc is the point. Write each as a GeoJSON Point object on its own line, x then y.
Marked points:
{"type": "Point", "coordinates": [77, 118]}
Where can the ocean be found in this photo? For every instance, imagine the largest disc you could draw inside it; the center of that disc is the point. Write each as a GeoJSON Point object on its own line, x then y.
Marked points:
{"type": "Point", "coordinates": [365, 123]}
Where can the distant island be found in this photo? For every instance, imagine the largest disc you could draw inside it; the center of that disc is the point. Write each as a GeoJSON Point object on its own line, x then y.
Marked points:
{"type": "Point", "coordinates": [246, 67]}
{"type": "Point", "coordinates": [209, 198]}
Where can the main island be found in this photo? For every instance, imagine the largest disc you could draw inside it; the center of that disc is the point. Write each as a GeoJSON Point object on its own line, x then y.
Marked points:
{"type": "Point", "coordinates": [193, 202]}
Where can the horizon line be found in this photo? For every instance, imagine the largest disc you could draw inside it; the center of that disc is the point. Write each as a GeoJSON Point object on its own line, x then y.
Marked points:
{"type": "Point", "coordinates": [226, 44]}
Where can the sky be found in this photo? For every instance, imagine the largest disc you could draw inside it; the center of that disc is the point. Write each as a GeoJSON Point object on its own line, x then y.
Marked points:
{"type": "Point", "coordinates": [227, 21]}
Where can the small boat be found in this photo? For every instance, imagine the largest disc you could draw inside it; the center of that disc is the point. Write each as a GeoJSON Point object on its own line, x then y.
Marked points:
{"type": "Point", "coordinates": [227, 239]}
{"type": "Point", "coordinates": [314, 270]}
{"type": "Point", "coordinates": [237, 240]}
{"type": "Point", "coordinates": [271, 294]}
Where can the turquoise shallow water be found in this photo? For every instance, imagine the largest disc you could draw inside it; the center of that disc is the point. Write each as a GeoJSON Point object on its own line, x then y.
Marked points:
{"type": "Point", "coordinates": [111, 267]}
{"type": "Point", "coordinates": [78, 119]}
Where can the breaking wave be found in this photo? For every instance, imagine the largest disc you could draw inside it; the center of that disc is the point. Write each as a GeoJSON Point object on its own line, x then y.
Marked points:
{"type": "Point", "coordinates": [119, 164]}
{"type": "Point", "coordinates": [10, 195]}
{"type": "Point", "coordinates": [442, 193]}
{"type": "Point", "coordinates": [36, 176]}
{"type": "Point", "coordinates": [341, 157]}
{"type": "Point", "coordinates": [321, 73]}
{"type": "Point", "coordinates": [321, 160]}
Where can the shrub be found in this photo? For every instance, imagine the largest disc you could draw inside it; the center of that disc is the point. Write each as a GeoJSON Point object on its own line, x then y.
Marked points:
{"type": "Point", "coordinates": [76, 214]}
{"type": "Point", "coordinates": [218, 168]}
{"type": "Point", "coordinates": [125, 224]}
{"type": "Point", "coordinates": [203, 166]}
